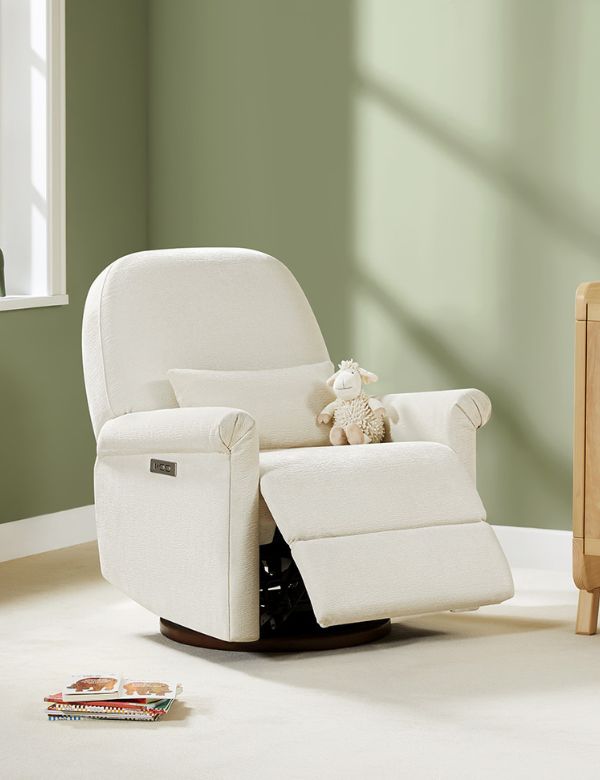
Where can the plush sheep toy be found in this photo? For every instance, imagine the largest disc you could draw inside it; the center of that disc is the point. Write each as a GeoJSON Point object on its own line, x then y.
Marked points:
{"type": "Point", "coordinates": [357, 419]}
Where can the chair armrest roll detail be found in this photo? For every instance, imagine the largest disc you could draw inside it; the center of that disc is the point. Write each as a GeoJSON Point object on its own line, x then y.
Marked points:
{"type": "Point", "coordinates": [446, 416]}
{"type": "Point", "coordinates": [201, 429]}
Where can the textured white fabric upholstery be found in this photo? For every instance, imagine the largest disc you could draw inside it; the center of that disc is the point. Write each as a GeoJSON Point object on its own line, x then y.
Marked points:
{"type": "Point", "coordinates": [334, 505]}
{"type": "Point", "coordinates": [284, 402]}
{"type": "Point", "coordinates": [398, 573]}
{"type": "Point", "coordinates": [377, 530]}
{"type": "Point", "coordinates": [335, 491]}
{"type": "Point", "coordinates": [206, 429]}
{"type": "Point", "coordinates": [221, 309]}
{"type": "Point", "coordinates": [183, 547]}
{"type": "Point", "coordinates": [450, 417]}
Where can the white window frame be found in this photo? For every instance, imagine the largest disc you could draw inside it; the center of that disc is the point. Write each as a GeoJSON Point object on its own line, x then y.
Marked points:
{"type": "Point", "coordinates": [56, 265]}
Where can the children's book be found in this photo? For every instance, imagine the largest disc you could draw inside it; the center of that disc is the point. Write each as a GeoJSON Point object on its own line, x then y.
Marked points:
{"type": "Point", "coordinates": [63, 715]}
{"type": "Point", "coordinates": [108, 711]}
{"type": "Point", "coordinates": [107, 687]}
{"type": "Point", "coordinates": [112, 697]}
{"type": "Point", "coordinates": [140, 705]}
{"type": "Point", "coordinates": [98, 687]}
{"type": "Point", "coordinates": [151, 690]}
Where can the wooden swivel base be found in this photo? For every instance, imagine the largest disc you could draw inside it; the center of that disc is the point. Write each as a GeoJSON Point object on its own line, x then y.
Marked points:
{"type": "Point", "coordinates": [315, 639]}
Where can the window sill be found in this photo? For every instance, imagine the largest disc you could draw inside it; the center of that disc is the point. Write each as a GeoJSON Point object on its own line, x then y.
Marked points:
{"type": "Point", "coordinates": [31, 301]}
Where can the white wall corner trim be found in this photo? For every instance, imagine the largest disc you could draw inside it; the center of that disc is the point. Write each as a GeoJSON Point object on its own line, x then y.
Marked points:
{"type": "Point", "coordinates": [525, 548]}
{"type": "Point", "coordinates": [40, 534]}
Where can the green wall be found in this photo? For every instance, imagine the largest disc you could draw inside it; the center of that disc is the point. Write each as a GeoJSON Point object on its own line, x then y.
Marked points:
{"type": "Point", "coordinates": [249, 135]}
{"type": "Point", "coordinates": [46, 441]}
{"type": "Point", "coordinates": [429, 170]}
{"type": "Point", "coordinates": [476, 199]}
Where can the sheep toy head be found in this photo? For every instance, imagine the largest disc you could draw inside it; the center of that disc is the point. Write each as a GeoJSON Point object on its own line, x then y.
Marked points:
{"type": "Point", "coordinates": [347, 382]}
{"type": "Point", "coordinates": [357, 419]}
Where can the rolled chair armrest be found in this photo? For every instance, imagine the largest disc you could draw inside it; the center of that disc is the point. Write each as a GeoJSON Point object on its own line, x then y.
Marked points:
{"type": "Point", "coordinates": [183, 542]}
{"type": "Point", "coordinates": [198, 429]}
{"type": "Point", "coordinates": [449, 417]}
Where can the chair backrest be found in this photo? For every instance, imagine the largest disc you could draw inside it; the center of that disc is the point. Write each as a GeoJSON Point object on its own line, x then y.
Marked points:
{"type": "Point", "coordinates": [189, 308]}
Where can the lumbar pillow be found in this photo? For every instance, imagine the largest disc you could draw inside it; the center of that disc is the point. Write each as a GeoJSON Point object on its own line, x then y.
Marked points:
{"type": "Point", "coordinates": [284, 402]}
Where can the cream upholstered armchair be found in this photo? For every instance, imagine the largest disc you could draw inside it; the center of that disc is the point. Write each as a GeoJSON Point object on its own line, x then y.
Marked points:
{"type": "Point", "coordinates": [229, 515]}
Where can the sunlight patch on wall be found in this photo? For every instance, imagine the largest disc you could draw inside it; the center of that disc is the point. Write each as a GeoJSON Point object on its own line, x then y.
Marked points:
{"type": "Point", "coordinates": [475, 215]}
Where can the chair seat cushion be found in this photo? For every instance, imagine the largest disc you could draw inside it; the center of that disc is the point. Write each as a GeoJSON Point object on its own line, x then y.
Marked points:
{"type": "Point", "coordinates": [317, 492]}
{"type": "Point", "coordinates": [383, 530]}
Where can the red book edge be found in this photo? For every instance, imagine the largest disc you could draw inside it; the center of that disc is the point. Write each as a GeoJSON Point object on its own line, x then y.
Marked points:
{"type": "Point", "coordinates": [129, 704]}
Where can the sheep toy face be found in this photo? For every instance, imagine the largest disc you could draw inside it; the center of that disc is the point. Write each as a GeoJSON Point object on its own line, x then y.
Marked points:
{"type": "Point", "coordinates": [347, 382]}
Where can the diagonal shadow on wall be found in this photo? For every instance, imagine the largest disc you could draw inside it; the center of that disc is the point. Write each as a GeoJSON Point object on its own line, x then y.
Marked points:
{"type": "Point", "coordinates": [559, 210]}
{"type": "Point", "coordinates": [555, 471]}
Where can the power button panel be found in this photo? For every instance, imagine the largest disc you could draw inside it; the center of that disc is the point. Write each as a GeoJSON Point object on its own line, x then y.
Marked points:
{"type": "Point", "coordinates": [167, 467]}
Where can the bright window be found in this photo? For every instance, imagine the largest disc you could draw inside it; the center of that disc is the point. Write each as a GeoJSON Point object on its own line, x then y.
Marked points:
{"type": "Point", "coordinates": [32, 171]}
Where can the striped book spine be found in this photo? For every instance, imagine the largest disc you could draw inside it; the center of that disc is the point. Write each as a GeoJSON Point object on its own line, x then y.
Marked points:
{"type": "Point", "coordinates": [64, 717]}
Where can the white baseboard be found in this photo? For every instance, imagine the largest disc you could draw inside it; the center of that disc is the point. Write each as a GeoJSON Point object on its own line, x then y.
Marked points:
{"type": "Point", "coordinates": [536, 548]}
{"type": "Point", "coordinates": [525, 548]}
{"type": "Point", "coordinates": [34, 535]}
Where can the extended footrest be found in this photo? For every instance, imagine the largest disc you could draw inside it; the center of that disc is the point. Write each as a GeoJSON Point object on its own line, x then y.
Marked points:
{"type": "Point", "coordinates": [384, 530]}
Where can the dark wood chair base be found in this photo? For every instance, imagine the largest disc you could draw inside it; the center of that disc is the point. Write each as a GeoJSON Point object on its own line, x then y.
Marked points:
{"type": "Point", "coordinates": [317, 639]}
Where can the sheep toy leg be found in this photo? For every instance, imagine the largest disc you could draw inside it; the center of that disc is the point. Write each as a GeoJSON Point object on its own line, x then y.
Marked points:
{"type": "Point", "coordinates": [355, 435]}
{"type": "Point", "coordinates": [337, 436]}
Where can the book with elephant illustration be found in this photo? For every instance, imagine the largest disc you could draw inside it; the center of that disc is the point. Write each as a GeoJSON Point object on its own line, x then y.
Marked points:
{"type": "Point", "coordinates": [107, 687]}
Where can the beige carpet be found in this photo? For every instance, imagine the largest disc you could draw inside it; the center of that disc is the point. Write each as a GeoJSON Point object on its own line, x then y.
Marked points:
{"type": "Point", "coordinates": [507, 692]}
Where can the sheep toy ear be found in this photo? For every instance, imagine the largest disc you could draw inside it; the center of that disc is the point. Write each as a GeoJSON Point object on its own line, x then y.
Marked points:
{"type": "Point", "coordinates": [331, 379]}
{"type": "Point", "coordinates": [367, 376]}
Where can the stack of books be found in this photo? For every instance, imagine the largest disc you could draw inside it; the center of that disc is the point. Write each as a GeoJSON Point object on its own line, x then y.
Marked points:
{"type": "Point", "coordinates": [112, 697]}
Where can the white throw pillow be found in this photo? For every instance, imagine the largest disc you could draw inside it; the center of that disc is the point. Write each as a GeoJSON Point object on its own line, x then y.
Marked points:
{"type": "Point", "coordinates": [284, 402]}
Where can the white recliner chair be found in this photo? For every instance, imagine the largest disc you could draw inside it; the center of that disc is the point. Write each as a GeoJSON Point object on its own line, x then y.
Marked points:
{"type": "Point", "coordinates": [189, 501]}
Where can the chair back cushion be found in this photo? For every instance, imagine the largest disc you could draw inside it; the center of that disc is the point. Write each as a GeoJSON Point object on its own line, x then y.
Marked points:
{"type": "Point", "coordinates": [284, 402]}
{"type": "Point", "coordinates": [216, 309]}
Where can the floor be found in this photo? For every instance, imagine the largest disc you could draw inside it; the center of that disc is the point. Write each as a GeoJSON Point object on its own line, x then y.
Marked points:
{"type": "Point", "coordinates": [507, 692]}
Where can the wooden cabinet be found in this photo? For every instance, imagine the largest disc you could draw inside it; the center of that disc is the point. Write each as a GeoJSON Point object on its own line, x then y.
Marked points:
{"type": "Point", "coordinates": [586, 457]}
